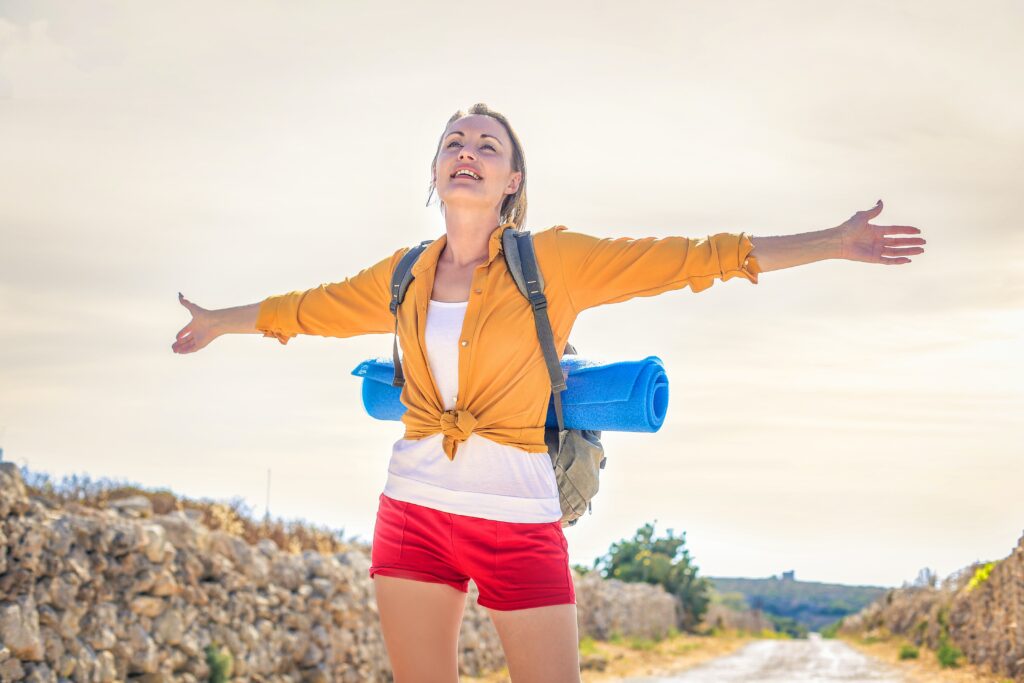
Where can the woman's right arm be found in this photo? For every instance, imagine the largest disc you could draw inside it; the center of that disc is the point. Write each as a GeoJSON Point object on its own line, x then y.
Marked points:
{"type": "Point", "coordinates": [206, 325]}
{"type": "Point", "coordinates": [356, 305]}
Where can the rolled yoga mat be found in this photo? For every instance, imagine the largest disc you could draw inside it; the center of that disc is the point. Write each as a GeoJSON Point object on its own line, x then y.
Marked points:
{"type": "Point", "coordinates": [625, 396]}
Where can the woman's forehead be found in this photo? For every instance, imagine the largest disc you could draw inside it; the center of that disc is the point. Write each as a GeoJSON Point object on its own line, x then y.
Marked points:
{"type": "Point", "coordinates": [474, 124]}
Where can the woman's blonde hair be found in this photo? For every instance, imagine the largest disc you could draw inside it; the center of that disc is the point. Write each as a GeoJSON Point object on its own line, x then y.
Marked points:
{"type": "Point", "coordinates": [513, 206]}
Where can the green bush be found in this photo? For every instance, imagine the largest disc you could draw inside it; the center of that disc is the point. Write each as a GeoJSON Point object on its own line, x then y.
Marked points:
{"type": "Point", "coordinates": [981, 575]}
{"type": "Point", "coordinates": [660, 561]}
{"type": "Point", "coordinates": [908, 652]}
{"type": "Point", "coordinates": [220, 662]}
{"type": "Point", "coordinates": [949, 655]}
{"type": "Point", "coordinates": [787, 625]}
{"type": "Point", "coordinates": [642, 644]}
{"type": "Point", "coordinates": [588, 646]}
{"type": "Point", "coordinates": [921, 627]}
{"type": "Point", "coordinates": [832, 630]}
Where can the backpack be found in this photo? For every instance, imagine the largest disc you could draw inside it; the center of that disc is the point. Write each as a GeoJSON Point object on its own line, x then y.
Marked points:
{"type": "Point", "coordinates": [577, 455]}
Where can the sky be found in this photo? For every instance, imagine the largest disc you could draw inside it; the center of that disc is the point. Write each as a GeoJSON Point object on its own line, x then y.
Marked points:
{"type": "Point", "coordinates": [852, 422]}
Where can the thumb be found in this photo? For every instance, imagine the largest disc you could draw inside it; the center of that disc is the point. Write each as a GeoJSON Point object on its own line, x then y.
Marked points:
{"type": "Point", "coordinates": [874, 210]}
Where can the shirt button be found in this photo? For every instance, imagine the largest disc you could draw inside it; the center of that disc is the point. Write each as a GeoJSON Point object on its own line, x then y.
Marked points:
{"type": "Point", "coordinates": [478, 291]}
{"type": "Point", "coordinates": [464, 342]}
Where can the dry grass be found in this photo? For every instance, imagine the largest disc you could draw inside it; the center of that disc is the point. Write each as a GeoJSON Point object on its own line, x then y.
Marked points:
{"type": "Point", "coordinates": [626, 658]}
{"type": "Point", "coordinates": [924, 669]}
{"type": "Point", "coordinates": [233, 516]}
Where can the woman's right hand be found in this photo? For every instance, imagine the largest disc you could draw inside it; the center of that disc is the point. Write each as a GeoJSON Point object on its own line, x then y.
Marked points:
{"type": "Point", "coordinates": [199, 332]}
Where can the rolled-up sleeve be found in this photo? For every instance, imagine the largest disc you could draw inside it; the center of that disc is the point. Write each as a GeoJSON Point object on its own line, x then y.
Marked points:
{"type": "Point", "coordinates": [356, 305]}
{"type": "Point", "coordinates": [605, 270]}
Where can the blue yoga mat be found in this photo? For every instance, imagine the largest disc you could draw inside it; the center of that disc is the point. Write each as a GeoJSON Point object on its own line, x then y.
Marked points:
{"type": "Point", "coordinates": [624, 396]}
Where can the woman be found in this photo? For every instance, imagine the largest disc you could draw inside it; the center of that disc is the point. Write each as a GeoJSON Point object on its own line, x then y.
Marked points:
{"type": "Point", "coordinates": [470, 490]}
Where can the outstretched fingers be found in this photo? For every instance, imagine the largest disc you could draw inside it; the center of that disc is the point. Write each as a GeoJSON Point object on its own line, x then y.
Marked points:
{"type": "Point", "coordinates": [895, 250]}
{"type": "Point", "coordinates": [897, 229]}
{"type": "Point", "coordinates": [903, 241]}
{"type": "Point", "coordinates": [886, 261]}
{"type": "Point", "coordinates": [184, 346]}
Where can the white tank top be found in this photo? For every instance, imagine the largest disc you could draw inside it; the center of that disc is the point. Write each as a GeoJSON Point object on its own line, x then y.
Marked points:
{"type": "Point", "coordinates": [486, 479]}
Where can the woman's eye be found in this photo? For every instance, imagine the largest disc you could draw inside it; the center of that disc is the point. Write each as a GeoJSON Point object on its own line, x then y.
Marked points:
{"type": "Point", "coordinates": [455, 142]}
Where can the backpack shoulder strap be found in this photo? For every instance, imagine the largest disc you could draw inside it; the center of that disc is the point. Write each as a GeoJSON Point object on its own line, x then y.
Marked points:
{"type": "Point", "coordinates": [400, 279]}
{"type": "Point", "coordinates": [515, 267]}
{"type": "Point", "coordinates": [522, 264]}
{"type": "Point", "coordinates": [510, 241]}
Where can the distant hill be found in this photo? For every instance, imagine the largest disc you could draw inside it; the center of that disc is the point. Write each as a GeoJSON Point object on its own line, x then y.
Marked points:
{"type": "Point", "coordinates": [810, 604]}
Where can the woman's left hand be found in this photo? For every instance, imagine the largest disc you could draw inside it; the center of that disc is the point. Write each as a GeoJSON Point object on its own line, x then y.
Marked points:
{"type": "Point", "coordinates": [861, 241]}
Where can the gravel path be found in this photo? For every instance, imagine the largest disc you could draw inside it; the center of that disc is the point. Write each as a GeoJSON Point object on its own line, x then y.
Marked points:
{"type": "Point", "coordinates": [815, 660]}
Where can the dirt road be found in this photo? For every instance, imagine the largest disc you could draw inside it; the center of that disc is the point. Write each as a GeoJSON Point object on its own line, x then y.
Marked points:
{"type": "Point", "coordinates": [814, 660]}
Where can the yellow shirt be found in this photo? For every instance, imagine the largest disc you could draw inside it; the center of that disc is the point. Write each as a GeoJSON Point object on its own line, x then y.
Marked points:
{"type": "Point", "coordinates": [504, 387]}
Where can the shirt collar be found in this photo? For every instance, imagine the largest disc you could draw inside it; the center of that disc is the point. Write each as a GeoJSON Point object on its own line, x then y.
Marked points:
{"type": "Point", "coordinates": [428, 259]}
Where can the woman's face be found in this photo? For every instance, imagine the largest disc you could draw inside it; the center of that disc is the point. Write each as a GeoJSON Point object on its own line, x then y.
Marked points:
{"type": "Point", "coordinates": [480, 144]}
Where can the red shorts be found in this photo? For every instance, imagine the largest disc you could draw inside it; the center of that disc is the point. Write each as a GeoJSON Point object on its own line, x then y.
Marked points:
{"type": "Point", "coordinates": [514, 565]}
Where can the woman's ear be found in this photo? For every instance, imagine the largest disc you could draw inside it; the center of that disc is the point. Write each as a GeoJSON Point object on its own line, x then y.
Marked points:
{"type": "Point", "coordinates": [513, 182]}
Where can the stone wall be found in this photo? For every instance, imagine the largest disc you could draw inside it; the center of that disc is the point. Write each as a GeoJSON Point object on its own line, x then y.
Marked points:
{"type": "Point", "coordinates": [724, 617]}
{"type": "Point", "coordinates": [123, 594]}
{"type": "Point", "coordinates": [605, 607]}
{"type": "Point", "coordinates": [986, 622]}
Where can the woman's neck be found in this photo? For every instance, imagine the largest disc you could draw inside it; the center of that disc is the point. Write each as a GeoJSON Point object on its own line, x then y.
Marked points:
{"type": "Point", "coordinates": [467, 238]}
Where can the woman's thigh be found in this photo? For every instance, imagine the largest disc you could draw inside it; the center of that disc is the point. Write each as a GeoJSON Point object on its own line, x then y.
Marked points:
{"type": "Point", "coordinates": [541, 644]}
{"type": "Point", "coordinates": [420, 622]}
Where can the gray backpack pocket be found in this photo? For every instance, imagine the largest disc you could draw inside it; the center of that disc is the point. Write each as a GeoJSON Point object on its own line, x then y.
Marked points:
{"type": "Point", "coordinates": [577, 460]}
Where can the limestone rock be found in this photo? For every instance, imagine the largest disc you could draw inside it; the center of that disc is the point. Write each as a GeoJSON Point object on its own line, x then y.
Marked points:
{"type": "Point", "coordinates": [19, 629]}
{"type": "Point", "coordinates": [133, 506]}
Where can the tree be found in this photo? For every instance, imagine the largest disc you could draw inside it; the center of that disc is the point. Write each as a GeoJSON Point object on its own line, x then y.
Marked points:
{"type": "Point", "coordinates": [926, 577]}
{"type": "Point", "coordinates": [665, 562]}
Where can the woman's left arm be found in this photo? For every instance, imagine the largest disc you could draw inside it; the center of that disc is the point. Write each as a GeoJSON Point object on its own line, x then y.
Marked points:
{"type": "Point", "coordinates": [854, 240]}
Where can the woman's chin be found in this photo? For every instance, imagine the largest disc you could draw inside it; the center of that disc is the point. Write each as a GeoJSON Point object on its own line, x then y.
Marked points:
{"type": "Point", "coordinates": [467, 199]}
